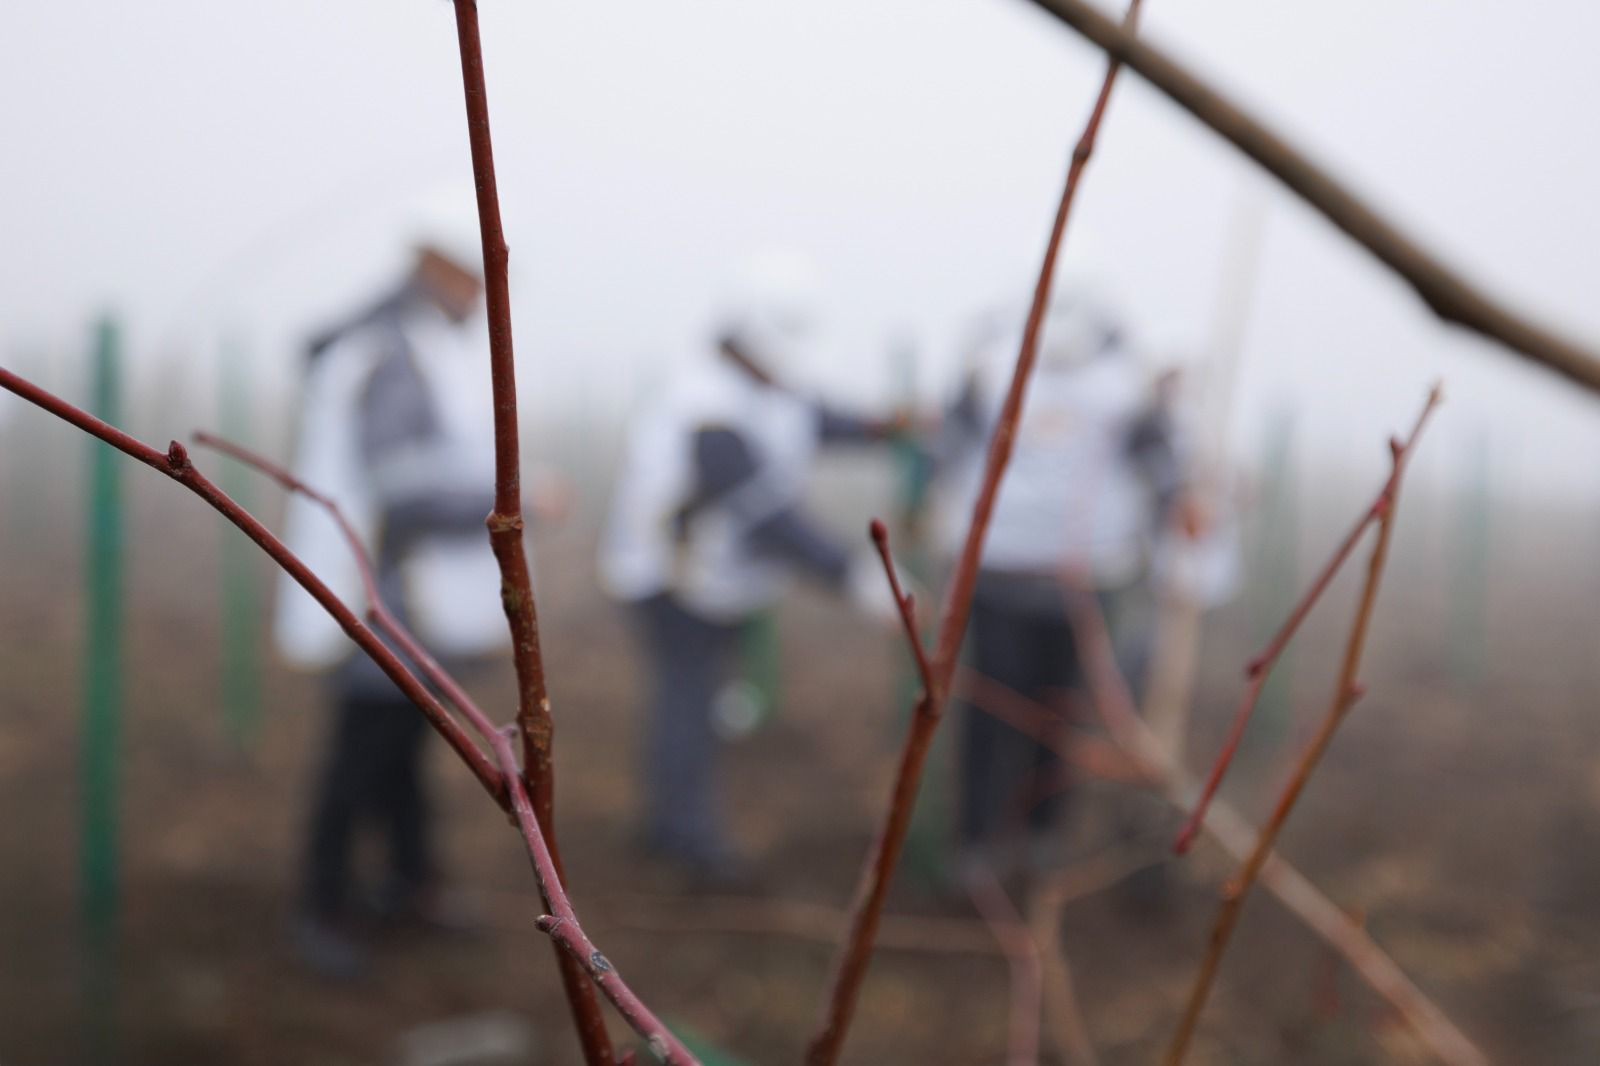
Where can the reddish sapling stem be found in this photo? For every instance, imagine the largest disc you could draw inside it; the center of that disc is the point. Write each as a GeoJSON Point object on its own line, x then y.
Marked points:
{"type": "Point", "coordinates": [505, 524]}
{"type": "Point", "coordinates": [1345, 693]}
{"type": "Point", "coordinates": [175, 463]}
{"type": "Point", "coordinates": [850, 965]}
{"type": "Point", "coordinates": [562, 926]}
{"type": "Point", "coordinates": [1259, 667]}
{"type": "Point", "coordinates": [377, 612]}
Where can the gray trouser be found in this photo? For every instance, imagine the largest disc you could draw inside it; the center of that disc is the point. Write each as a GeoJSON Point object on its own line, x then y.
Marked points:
{"type": "Point", "coordinates": [689, 657]}
{"type": "Point", "coordinates": [1020, 635]}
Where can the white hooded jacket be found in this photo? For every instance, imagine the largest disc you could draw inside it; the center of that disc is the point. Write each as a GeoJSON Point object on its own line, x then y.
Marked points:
{"type": "Point", "coordinates": [656, 542]}
{"type": "Point", "coordinates": [450, 583]}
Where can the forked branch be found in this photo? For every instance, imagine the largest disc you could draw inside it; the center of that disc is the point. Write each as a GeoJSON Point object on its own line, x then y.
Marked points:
{"type": "Point", "coordinates": [377, 612]}
{"type": "Point", "coordinates": [1261, 665]}
{"type": "Point", "coordinates": [850, 965]}
{"type": "Point", "coordinates": [1114, 702]}
{"type": "Point", "coordinates": [1347, 690]}
{"type": "Point", "coordinates": [1023, 959]}
{"type": "Point", "coordinates": [562, 925]}
{"type": "Point", "coordinates": [174, 463]}
{"type": "Point", "coordinates": [562, 921]}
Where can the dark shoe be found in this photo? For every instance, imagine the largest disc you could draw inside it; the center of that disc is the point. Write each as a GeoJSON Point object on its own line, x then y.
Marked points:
{"type": "Point", "coordinates": [328, 949]}
{"type": "Point", "coordinates": [428, 910]}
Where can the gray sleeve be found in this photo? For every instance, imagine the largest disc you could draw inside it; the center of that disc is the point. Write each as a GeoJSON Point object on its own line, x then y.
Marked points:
{"type": "Point", "coordinates": [396, 411]}
{"type": "Point", "coordinates": [723, 461]}
{"type": "Point", "coordinates": [837, 427]}
{"type": "Point", "coordinates": [1153, 451]}
{"type": "Point", "coordinates": [439, 513]}
{"type": "Point", "coordinates": [960, 431]}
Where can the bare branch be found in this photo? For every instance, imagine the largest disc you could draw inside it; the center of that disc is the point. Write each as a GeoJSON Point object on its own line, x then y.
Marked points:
{"type": "Point", "coordinates": [1237, 837]}
{"type": "Point", "coordinates": [1345, 694]}
{"type": "Point", "coordinates": [1022, 957]}
{"type": "Point", "coordinates": [174, 463]}
{"type": "Point", "coordinates": [1079, 750]}
{"type": "Point", "coordinates": [1261, 665]}
{"type": "Point", "coordinates": [1443, 288]}
{"type": "Point", "coordinates": [850, 966]}
{"type": "Point", "coordinates": [903, 601]}
{"type": "Point", "coordinates": [562, 925]}
{"type": "Point", "coordinates": [377, 612]}
{"type": "Point", "coordinates": [505, 521]}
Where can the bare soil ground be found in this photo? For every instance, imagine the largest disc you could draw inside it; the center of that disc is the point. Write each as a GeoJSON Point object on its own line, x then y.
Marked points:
{"type": "Point", "coordinates": [1459, 817]}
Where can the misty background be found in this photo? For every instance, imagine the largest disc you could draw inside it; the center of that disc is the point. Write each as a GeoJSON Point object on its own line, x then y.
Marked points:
{"type": "Point", "coordinates": [238, 175]}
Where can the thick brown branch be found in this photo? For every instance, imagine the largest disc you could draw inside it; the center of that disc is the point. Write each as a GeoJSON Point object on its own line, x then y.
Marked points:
{"type": "Point", "coordinates": [505, 524]}
{"type": "Point", "coordinates": [855, 953]}
{"type": "Point", "coordinates": [562, 925]}
{"type": "Point", "coordinates": [1260, 666]}
{"type": "Point", "coordinates": [1443, 288]}
{"type": "Point", "coordinates": [1345, 694]}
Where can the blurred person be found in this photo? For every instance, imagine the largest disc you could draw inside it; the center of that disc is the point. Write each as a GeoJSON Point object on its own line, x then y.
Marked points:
{"type": "Point", "coordinates": [1095, 476]}
{"type": "Point", "coordinates": [395, 426]}
{"type": "Point", "coordinates": [706, 529]}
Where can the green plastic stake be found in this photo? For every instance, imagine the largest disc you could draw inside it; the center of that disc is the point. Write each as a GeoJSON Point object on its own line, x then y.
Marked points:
{"type": "Point", "coordinates": [241, 608]}
{"type": "Point", "coordinates": [701, 1048]}
{"type": "Point", "coordinates": [760, 672]}
{"type": "Point", "coordinates": [102, 698]}
{"type": "Point", "coordinates": [1274, 586]}
{"type": "Point", "coordinates": [1469, 616]}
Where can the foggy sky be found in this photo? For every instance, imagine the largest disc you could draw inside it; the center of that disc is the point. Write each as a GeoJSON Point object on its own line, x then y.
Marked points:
{"type": "Point", "coordinates": [227, 169]}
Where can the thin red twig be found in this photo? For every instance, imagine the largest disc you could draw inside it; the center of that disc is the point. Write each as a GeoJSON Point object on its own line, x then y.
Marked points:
{"type": "Point", "coordinates": [505, 523]}
{"type": "Point", "coordinates": [1259, 667]}
{"type": "Point", "coordinates": [1114, 702]}
{"type": "Point", "coordinates": [904, 602]}
{"type": "Point", "coordinates": [1022, 958]}
{"type": "Point", "coordinates": [377, 612]}
{"type": "Point", "coordinates": [1077, 749]}
{"type": "Point", "coordinates": [1345, 694]}
{"type": "Point", "coordinates": [850, 965]}
{"type": "Point", "coordinates": [562, 925]}
{"type": "Point", "coordinates": [174, 463]}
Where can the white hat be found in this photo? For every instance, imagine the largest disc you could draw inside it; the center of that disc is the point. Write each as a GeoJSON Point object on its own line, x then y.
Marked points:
{"type": "Point", "coordinates": [772, 306]}
{"type": "Point", "coordinates": [1078, 326]}
{"type": "Point", "coordinates": [445, 220]}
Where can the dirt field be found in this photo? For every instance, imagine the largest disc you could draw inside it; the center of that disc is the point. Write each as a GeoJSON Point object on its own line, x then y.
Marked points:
{"type": "Point", "coordinates": [1459, 815]}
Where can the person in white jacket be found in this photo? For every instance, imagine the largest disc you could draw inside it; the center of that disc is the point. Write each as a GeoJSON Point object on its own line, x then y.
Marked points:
{"type": "Point", "coordinates": [707, 527]}
{"type": "Point", "coordinates": [1094, 476]}
{"type": "Point", "coordinates": [394, 425]}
